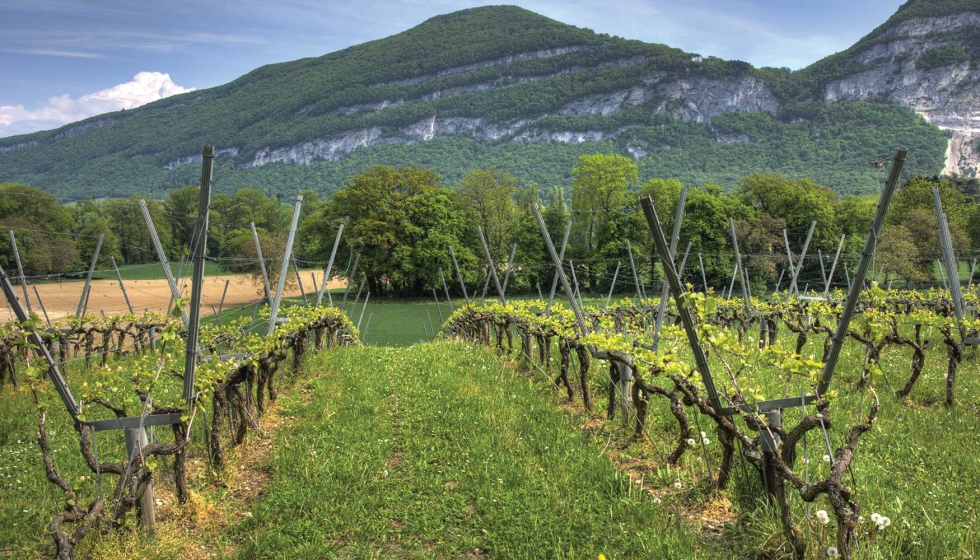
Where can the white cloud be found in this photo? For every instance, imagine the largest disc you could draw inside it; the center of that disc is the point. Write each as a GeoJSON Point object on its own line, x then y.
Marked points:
{"type": "Point", "coordinates": [144, 88]}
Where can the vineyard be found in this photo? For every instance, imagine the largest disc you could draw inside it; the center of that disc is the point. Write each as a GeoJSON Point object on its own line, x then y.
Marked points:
{"type": "Point", "coordinates": [695, 424]}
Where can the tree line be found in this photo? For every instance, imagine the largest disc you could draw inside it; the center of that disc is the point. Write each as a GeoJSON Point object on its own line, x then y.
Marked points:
{"type": "Point", "coordinates": [403, 220]}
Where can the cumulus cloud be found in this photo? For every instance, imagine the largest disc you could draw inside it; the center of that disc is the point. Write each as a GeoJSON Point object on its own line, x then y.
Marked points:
{"type": "Point", "coordinates": [144, 88]}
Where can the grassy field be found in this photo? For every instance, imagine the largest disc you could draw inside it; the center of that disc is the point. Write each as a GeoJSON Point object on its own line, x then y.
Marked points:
{"type": "Point", "coordinates": [448, 450]}
{"type": "Point", "coordinates": [398, 455]}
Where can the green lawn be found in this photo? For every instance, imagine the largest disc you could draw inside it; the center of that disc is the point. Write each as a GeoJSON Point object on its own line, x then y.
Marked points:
{"type": "Point", "coordinates": [442, 451]}
{"type": "Point", "coordinates": [154, 271]}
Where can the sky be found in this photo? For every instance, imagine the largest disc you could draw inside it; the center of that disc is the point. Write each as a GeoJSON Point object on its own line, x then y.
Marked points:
{"type": "Point", "coordinates": [65, 60]}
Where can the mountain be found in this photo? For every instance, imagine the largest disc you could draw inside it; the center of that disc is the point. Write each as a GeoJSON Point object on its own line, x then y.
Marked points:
{"type": "Point", "coordinates": [502, 86]}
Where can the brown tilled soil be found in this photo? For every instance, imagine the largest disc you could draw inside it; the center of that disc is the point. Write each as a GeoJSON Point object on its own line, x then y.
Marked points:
{"type": "Point", "coordinates": [61, 299]}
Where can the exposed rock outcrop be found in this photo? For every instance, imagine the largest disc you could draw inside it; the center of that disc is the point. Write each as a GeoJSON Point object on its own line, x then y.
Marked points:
{"type": "Point", "coordinates": [948, 97]}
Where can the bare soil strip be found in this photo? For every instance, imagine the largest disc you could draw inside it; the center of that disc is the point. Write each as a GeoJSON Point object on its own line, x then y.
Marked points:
{"type": "Point", "coordinates": [61, 299]}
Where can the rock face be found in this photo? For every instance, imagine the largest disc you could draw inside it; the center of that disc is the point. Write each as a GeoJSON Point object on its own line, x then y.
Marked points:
{"type": "Point", "coordinates": [948, 96]}
{"type": "Point", "coordinates": [697, 99]}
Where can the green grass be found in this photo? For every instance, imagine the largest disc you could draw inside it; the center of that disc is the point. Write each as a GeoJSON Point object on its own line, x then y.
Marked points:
{"type": "Point", "coordinates": [154, 271]}
{"type": "Point", "coordinates": [431, 415]}
{"type": "Point", "coordinates": [440, 450]}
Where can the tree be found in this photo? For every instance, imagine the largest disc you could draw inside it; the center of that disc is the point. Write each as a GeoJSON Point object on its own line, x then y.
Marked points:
{"type": "Point", "coordinates": [798, 202]}
{"type": "Point", "coordinates": [600, 186]}
{"type": "Point", "coordinates": [490, 193]}
{"type": "Point", "coordinates": [181, 211]}
{"type": "Point", "coordinates": [390, 210]}
{"type": "Point", "coordinates": [913, 208]}
{"type": "Point", "coordinates": [126, 222]}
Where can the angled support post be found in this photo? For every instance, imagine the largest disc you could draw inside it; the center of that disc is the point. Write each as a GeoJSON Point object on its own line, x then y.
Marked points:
{"type": "Point", "coordinates": [83, 301]}
{"type": "Point", "coordinates": [22, 317]}
{"type": "Point", "coordinates": [326, 273]}
{"type": "Point", "coordinates": [578, 292]}
{"type": "Point", "coordinates": [740, 270]}
{"type": "Point", "coordinates": [510, 266]}
{"type": "Point", "coordinates": [854, 293]}
{"type": "Point", "coordinates": [493, 270]}
{"type": "Point", "coordinates": [359, 319]}
{"type": "Point", "coordinates": [799, 265]}
{"type": "Point", "coordinates": [823, 269]}
{"type": "Point", "coordinates": [20, 271]}
{"type": "Point", "coordinates": [193, 352]}
{"type": "Point", "coordinates": [435, 296]}
{"type": "Point", "coordinates": [561, 259]}
{"type": "Point", "coordinates": [704, 277]}
{"type": "Point", "coordinates": [299, 281]}
{"type": "Point", "coordinates": [833, 267]}
{"type": "Point", "coordinates": [789, 259]}
{"type": "Point", "coordinates": [258, 255]}
{"type": "Point", "coordinates": [350, 278]}
{"type": "Point", "coordinates": [640, 293]}
{"type": "Point", "coordinates": [221, 304]}
{"type": "Point", "coordinates": [41, 303]}
{"type": "Point", "coordinates": [284, 270]}
{"type": "Point", "coordinates": [612, 286]}
{"type": "Point", "coordinates": [459, 274]}
{"type": "Point", "coordinates": [949, 257]}
{"type": "Point", "coordinates": [174, 291]}
{"type": "Point", "coordinates": [122, 287]}
{"type": "Point", "coordinates": [560, 271]}
{"type": "Point", "coordinates": [446, 288]}
{"type": "Point", "coordinates": [357, 295]}
{"type": "Point", "coordinates": [679, 292]}
{"type": "Point", "coordinates": [664, 293]}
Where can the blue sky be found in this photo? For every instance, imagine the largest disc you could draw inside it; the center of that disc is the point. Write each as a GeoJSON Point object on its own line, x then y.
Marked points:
{"type": "Point", "coordinates": [63, 60]}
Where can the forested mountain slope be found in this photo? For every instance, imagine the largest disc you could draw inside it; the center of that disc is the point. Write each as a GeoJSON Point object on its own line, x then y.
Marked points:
{"type": "Point", "coordinates": [502, 86]}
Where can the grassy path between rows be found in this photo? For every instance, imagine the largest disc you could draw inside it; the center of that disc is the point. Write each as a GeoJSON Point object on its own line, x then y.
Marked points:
{"type": "Point", "coordinates": [441, 451]}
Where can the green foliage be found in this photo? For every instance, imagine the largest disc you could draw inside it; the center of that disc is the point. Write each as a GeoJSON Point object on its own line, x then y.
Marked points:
{"type": "Point", "coordinates": [937, 57]}
{"type": "Point", "coordinates": [402, 223]}
{"type": "Point", "coordinates": [500, 64]}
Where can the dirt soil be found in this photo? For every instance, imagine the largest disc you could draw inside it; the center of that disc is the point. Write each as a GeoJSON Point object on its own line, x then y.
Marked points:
{"type": "Point", "coordinates": [61, 299]}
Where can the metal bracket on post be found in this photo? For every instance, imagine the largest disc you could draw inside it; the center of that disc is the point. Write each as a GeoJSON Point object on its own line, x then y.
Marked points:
{"type": "Point", "coordinates": [285, 264]}
{"type": "Point", "coordinates": [854, 293]}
